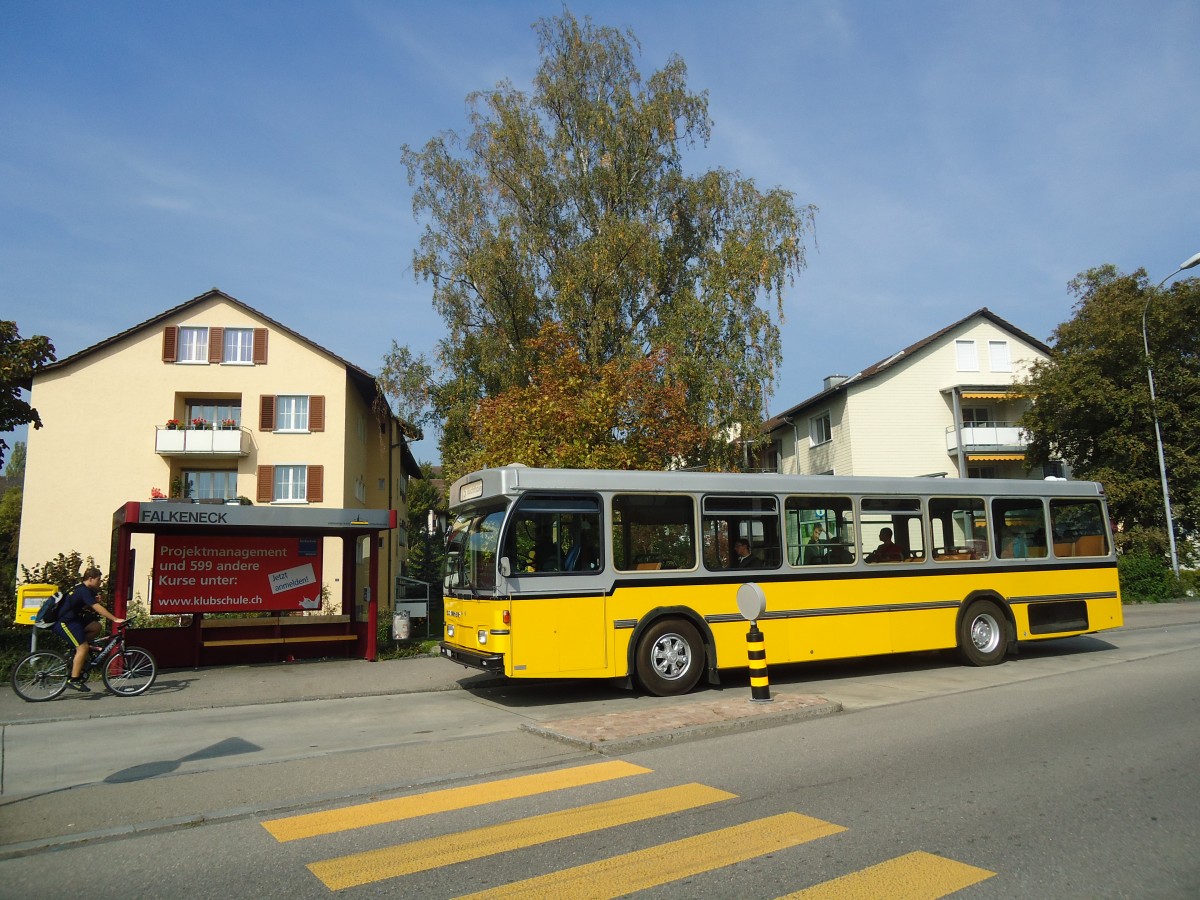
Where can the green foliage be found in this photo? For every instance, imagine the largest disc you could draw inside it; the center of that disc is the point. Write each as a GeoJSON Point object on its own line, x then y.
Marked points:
{"type": "Point", "coordinates": [424, 494]}
{"type": "Point", "coordinates": [425, 548]}
{"type": "Point", "coordinates": [15, 470]}
{"type": "Point", "coordinates": [137, 614]}
{"type": "Point", "coordinates": [10, 532]}
{"type": "Point", "coordinates": [65, 571]}
{"type": "Point", "coordinates": [19, 359]}
{"type": "Point", "coordinates": [570, 204]}
{"type": "Point", "coordinates": [1092, 400]}
{"type": "Point", "coordinates": [387, 647]}
{"type": "Point", "coordinates": [14, 644]}
{"type": "Point", "coordinates": [621, 416]}
{"type": "Point", "coordinates": [1146, 578]}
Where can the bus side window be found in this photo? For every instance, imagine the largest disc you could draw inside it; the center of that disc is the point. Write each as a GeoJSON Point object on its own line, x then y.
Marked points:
{"type": "Point", "coordinates": [730, 520]}
{"type": "Point", "coordinates": [1079, 528]}
{"type": "Point", "coordinates": [892, 530]}
{"type": "Point", "coordinates": [959, 528]}
{"type": "Point", "coordinates": [820, 531]}
{"type": "Point", "coordinates": [554, 534]}
{"type": "Point", "coordinates": [1020, 527]}
{"type": "Point", "coordinates": [653, 528]}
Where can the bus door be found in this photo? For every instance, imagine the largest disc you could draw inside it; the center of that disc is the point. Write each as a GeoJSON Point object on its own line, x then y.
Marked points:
{"type": "Point", "coordinates": [553, 544]}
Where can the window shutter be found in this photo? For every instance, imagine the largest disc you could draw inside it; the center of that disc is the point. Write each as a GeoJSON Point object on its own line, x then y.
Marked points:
{"type": "Point", "coordinates": [170, 344]}
{"type": "Point", "coordinates": [216, 344]}
{"type": "Point", "coordinates": [266, 412]}
{"type": "Point", "coordinates": [315, 490]}
{"type": "Point", "coordinates": [316, 413]}
{"type": "Point", "coordinates": [266, 484]}
{"type": "Point", "coordinates": [260, 346]}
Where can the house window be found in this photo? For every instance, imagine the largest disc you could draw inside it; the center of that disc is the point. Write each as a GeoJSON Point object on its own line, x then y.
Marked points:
{"type": "Point", "coordinates": [215, 412]}
{"type": "Point", "coordinates": [820, 430]}
{"type": "Point", "coordinates": [1054, 469]}
{"type": "Point", "coordinates": [975, 415]}
{"type": "Point", "coordinates": [239, 346]}
{"type": "Point", "coordinates": [291, 413]}
{"type": "Point", "coordinates": [193, 345]}
{"type": "Point", "coordinates": [210, 484]}
{"type": "Point", "coordinates": [968, 358]}
{"type": "Point", "coordinates": [998, 356]}
{"type": "Point", "coordinates": [291, 483]}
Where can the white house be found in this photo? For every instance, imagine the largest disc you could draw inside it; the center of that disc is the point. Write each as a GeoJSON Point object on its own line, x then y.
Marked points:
{"type": "Point", "coordinates": [947, 404]}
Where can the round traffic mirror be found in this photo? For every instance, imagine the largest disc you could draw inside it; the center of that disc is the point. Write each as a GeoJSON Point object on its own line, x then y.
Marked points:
{"type": "Point", "coordinates": [751, 601]}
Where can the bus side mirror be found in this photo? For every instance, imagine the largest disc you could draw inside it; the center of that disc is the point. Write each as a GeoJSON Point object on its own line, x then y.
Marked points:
{"type": "Point", "coordinates": [505, 567]}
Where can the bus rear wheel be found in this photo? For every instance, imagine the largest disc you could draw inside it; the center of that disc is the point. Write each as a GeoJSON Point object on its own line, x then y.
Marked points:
{"type": "Point", "coordinates": [983, 634]}
{"type": "Point", "coordinates": [670, 658]}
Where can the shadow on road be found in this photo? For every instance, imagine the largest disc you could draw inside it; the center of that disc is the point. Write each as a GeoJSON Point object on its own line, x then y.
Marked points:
{"type": "Point", "coordinates": [807, 677]}
{"type": "Point", "coordinates": [227, 747]}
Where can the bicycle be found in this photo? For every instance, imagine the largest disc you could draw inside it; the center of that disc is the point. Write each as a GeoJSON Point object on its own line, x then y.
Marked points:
{"type": "Point", "coordinates": [127, 671]}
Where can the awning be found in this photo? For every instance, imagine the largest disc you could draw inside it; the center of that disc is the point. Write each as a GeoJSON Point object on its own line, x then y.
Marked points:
{"type": "Point", "coordinates": [991, 395]}
{"type": "Point", "coordinates": [995, 457]}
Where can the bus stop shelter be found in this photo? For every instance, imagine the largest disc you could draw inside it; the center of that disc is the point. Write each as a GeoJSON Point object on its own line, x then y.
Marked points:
{"type": "Point", "coordinates": [264, 563]}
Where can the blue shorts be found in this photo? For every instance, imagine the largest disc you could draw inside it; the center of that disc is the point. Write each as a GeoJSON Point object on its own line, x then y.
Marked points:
{"type": "Point", "coordinates": [72, 632]}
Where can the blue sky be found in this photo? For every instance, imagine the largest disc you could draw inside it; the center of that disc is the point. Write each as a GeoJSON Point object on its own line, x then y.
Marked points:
{"type": "Point", "coordinates": [961, 154]}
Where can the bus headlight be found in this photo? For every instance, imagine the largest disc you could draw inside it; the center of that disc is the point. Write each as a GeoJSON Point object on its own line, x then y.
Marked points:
{"type": "Point", "coordinates": [449, 631]}
{"type": "Point", "coordinates": [482, 635]}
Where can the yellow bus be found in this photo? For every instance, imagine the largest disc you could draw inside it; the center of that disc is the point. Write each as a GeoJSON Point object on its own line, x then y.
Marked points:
{"type": "Point", "coordinates": [557, 573]}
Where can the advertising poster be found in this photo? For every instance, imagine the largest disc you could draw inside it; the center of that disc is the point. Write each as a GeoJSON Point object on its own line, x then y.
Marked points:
{"type": "Point", "coordinates": [199, 574]}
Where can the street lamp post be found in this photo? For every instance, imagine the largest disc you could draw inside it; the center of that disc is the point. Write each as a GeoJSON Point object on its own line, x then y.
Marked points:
{"type": "Point", "coordinates": [1162, 463]}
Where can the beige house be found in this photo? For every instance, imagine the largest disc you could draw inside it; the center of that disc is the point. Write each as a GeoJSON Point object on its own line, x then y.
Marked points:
{"type": "Point", "coordinates": [944, 405]}
{"type": "Point", "coordinates": [210, 401]}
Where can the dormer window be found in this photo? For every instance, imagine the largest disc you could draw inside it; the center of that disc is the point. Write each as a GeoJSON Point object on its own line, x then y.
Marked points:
{"type": "Point", "coordinates": [193, 344]}
{"type": "Point", "coordinates": [239, 346]}
{"type": "Point", "coordinates": [215, 345]}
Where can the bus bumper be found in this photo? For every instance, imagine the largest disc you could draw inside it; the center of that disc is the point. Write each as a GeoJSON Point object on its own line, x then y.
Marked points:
{"type": "Point", "coordinates": [493, 663]}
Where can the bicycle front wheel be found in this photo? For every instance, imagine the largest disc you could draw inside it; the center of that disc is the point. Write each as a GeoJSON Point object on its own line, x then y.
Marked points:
{"type": "Point", "coordinates": [130, 673]}
{"type": "Point", "coordinates": [41, 676]}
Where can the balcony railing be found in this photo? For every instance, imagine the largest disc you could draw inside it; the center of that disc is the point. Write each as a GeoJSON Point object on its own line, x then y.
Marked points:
{"type": "Point", "coordinates": [202, 442]}
{"type": "Point", "coordinates": [984, 436]}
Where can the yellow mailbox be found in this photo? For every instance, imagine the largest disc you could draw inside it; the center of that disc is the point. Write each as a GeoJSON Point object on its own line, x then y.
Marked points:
{"type": "Point", "coordinates": [30, 598]}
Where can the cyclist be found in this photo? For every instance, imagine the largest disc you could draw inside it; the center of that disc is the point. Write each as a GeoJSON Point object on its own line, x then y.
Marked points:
{"type": "Point", "coordinates": [79, 622]}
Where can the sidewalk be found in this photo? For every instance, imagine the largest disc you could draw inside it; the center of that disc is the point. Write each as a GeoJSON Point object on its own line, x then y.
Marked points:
{"type": "Point", "coordinates": [218, 687]}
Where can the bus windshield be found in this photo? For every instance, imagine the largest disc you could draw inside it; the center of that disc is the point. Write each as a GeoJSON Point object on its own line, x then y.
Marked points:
{"type": "Point", "coordinates": [471, 551]}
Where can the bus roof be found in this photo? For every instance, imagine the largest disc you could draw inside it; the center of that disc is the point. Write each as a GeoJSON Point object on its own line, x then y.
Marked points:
{"type": "Point", "coordinates": [516, 479]}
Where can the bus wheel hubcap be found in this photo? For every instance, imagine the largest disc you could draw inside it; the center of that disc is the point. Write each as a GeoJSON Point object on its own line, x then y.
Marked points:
{"type": "Point", "coordinates": [985, 634]}
{"type": "Point", "coordinates": [671, 656]}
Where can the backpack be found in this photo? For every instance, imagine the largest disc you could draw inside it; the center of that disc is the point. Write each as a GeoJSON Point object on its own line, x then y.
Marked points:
{"type": "Point", "coordinates": [49, 612]}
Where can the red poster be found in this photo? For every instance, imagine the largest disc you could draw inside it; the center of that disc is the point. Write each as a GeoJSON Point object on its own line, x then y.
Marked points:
{"type": "Point", "coordinates": [235, 574]}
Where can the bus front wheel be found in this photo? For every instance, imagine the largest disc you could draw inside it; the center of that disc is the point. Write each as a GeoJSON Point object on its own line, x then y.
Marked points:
{"type": "Point", "coordinates": [983, 634]}
{"type": "Point", "coordinates": [670, 658]}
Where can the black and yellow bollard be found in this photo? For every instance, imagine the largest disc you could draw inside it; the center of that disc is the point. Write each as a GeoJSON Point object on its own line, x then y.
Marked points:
{"type": "Point", "coordinates": [756, 650]}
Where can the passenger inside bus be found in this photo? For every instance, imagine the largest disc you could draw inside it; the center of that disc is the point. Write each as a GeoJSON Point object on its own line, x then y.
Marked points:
{"type": "Point", "coordinates": [887, 551]}
{"type": "Point", "coordinates": [744, 557]}
{"type": "Point", "coordinates": [814, 552]}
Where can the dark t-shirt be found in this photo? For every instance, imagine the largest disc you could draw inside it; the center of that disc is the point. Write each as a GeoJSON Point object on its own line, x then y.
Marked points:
{"type": "Point", "coordinates": [78, 606]}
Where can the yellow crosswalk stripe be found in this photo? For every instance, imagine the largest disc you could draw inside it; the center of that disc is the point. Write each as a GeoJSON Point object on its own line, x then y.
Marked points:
{"type": "Point", "coordinates": [293, 828]}
{"type": "Point", "coordinates": [914, 876]}
{"type": "Point", "coordinates": [433, 853]}
{"type": "Point", "coordinates": [669, 862]}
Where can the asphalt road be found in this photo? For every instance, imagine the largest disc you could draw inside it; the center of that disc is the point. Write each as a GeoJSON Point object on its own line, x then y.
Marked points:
{"type": "Point", "coordinates": [1066, 772]}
